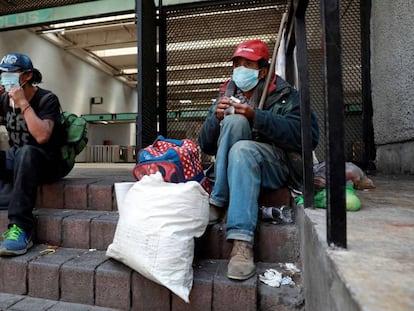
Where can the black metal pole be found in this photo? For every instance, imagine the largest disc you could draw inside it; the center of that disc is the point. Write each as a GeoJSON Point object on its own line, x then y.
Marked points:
{"type": "Point", "coordinates": [162, 70]}
{"type": "Point", "coordinates": [302, 64]}
{"type": "Point", "coordinates": [146, 126]}
{"type": "Point", "coordinates": [367, 110]}
{"type": "Point", "coordinates": [138, 122]}
{"type": "Point", "coordinates": [334, 108]}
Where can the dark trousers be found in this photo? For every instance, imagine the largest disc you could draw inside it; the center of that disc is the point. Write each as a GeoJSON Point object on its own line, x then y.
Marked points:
{"type": "Point", "coordinates": [26, 168]}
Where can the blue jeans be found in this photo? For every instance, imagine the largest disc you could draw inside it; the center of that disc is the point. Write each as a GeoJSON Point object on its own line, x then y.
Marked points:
{"type": "Point", "coordinates": [26, 168]}
{"type": "Point", "coordinates": [242, 168]}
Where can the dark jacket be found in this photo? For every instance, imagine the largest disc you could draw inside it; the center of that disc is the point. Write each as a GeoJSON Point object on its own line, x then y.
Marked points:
{"type": "Point", "coordinates": [277, 123]}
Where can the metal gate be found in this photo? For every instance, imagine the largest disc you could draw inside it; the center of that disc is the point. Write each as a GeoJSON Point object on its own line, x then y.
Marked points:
{"type": "Point", "coordinates": [351, 74]}
{"type": "Point", "coordinates": [201, 38]}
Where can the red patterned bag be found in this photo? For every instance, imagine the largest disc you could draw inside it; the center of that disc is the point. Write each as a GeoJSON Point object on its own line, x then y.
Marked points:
{"type": "Point", "coordinates": [176, 160]}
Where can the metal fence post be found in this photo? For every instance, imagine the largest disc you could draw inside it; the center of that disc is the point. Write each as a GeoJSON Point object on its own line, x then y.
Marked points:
{"type": "Point", "coordinates": [334, 109]}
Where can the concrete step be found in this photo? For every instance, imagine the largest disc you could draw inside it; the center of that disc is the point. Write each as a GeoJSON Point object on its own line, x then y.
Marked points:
{"type": "Point", "coordinates": [85, 277]}
{"type": "Point", "coordinates": [273, 243]}
{"type": "Point", "coordinates": [80, 193]}
{"type": "Point", "coordinates": [67, 267]}
{"type": "Point", "coordinates": [12, 302]}
{"type": "Point", "coordinates": [98, 194]}
{"type": "Point", "coordinates": [92, 229]}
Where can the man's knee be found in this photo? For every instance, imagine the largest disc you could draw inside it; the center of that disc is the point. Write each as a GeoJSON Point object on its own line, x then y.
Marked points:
{"type": "Point", "coordinates": [28, 150]}
{"type": "Point", "coordinates": [244, 146]}
{"type": "Point", "coordinates": [28, 154]}
{"type": "Point", "coordinates": [235, 122]}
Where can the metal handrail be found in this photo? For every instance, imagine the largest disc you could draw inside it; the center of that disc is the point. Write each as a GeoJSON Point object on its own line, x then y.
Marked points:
{"type": "Point", "coordinates": [334, 114]}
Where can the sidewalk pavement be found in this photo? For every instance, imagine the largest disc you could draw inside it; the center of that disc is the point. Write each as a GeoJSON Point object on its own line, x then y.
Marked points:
{"type": "Point", "coordinates": [377, 266]}
{"type": "Point", "coordinates": [88, 170]}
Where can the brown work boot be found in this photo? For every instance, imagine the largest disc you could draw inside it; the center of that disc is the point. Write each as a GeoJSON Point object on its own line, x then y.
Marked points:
{"type": "Point", "coordinates": [241, 265]}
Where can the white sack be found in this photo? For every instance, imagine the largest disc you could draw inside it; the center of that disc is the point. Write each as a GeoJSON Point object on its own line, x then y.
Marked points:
{"type": "Point", "coordinates": [280, 67]}
{"type": "Point", "coordinates": [121, 189]}
{"type": "Point", "coordinates": [156, 228]}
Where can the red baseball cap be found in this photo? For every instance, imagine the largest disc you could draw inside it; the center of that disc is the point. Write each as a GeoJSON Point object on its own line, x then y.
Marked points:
{"type": "Point", "coordinates": [252, 50]}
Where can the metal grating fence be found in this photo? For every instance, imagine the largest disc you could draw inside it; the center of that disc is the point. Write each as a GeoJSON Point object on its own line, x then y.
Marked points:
{"type": "Point", "coordinates": [199, 43]}
{"type": "Point", "coordinates": [351, 75]}
{"type": "Point", "coordinates": [201, 39]}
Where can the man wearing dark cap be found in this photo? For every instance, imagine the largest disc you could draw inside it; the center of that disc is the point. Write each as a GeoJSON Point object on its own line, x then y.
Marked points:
{"type": "Point", "coordinates": [252, 147]}
{"type": "Point", "coordinates": [32, 119]}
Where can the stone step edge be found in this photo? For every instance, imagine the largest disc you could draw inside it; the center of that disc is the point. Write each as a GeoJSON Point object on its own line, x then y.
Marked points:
{"type": "Point", "coordinates": [96, 230]}
{"type": "Point", "coordinates": [91, 278]}
{"type": "Point", "coordinates": [93, 194]}
{"type": "Point", "coordinates": [27, 303]}
{"type": "Point", "coordinates": [83, 194]}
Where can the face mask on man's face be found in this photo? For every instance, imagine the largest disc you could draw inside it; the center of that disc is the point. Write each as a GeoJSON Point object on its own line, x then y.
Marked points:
{"type": "Point", "coordinates": [9, 79]}
{"type": "Point", "coordinates": [245, 78]}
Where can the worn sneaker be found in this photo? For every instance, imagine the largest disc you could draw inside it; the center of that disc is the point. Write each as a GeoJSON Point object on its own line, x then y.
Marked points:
{"type": "Point", "coordinates": [241, 265]}
{"type": "Point", "coordinates": [15, 242]}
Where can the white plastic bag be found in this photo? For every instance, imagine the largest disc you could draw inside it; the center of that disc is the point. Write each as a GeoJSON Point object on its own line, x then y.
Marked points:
{"type": "Point", "coordinates": [156, 228]}
{"type": "Point", "coordinates": [280, 67]}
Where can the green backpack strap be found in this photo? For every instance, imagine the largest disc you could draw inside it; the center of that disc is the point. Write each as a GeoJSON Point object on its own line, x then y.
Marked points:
{"type": "Point", "coordinates": [76, 137]}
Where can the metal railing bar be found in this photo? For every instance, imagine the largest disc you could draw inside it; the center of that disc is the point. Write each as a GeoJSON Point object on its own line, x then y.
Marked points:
{"type": "Point", "coordinates": [334, 110]}
{"type": "Point", "coordinates": [302, 63]}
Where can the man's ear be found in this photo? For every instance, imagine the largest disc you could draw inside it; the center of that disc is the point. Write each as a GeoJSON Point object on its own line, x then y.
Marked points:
{"type": "Point", "coordinates": [263, 72]}
{"type": "Point", "coordinates": [28, 75]}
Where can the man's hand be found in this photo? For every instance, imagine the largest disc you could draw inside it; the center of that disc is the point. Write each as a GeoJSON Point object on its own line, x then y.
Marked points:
{"type": "Point", "coordinates": [17, 94]}
{"type": "Point", "coordinates": [226, 102]}
{"type": "Point", "coordinates": [222, 104]}
{"type": "Point", "coordinates": [244, 109]}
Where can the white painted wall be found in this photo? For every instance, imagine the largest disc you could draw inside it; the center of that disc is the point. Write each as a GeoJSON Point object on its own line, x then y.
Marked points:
{"type": "Point", "coordinates": [101, 132]}
{"type": "Point", "coordinates": [392, 76]}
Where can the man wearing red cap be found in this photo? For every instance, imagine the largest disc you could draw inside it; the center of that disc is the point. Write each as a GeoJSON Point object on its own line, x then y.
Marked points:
{"type": "Point", "coordinates": [252, 147]}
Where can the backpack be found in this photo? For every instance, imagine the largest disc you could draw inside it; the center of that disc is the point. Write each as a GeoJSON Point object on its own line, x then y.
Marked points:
{"type": "Point", "coordinates": [76, 138]}
{"type": "Point", "coordinates": [76, 134]}
{"type": "Point", "coordinates": [176, 160]}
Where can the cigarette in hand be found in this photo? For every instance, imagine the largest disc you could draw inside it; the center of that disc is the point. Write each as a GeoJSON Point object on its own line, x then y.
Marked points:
{"type": "Point", "coordinates": [235, 99]}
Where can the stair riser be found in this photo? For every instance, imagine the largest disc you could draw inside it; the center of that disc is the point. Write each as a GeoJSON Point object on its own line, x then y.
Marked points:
{"type": "Point", "coordinates": [95, 230]}
{"type": "Point", "coordinates": [273, 243]}
{"type": "Point", "coordinates": [80, 217]}
{"type": "Point", "coordinates": [84, 194]}
{"type": "Point", "coordinates": [72, 228]}
{"type": "Point", "coordinates": [94, 194]}
{"type": "Point", "coordinates": [91, 278]}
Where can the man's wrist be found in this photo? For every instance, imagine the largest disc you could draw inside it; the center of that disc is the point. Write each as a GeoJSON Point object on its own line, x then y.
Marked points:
{"type": "Point", "coordinates": [23, 110]}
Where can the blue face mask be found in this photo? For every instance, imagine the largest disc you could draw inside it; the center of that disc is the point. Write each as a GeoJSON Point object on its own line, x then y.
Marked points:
{"type": "Point", "coordinates": [245, 78]}
{"type": "Point", "coordinates": [9, 79]}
